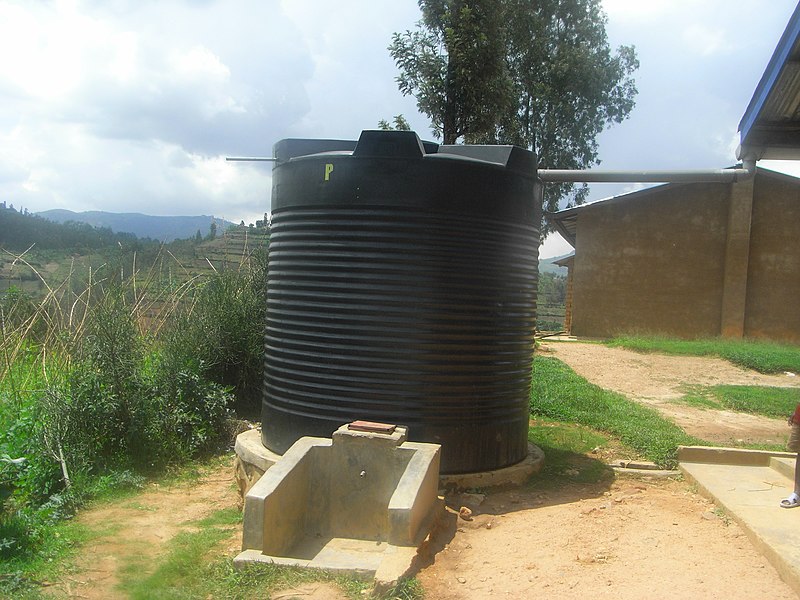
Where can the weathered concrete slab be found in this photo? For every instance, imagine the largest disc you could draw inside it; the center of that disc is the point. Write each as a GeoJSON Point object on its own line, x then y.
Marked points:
{"type": "Point", "coordinates": [729, 456]}
{"type": "Point", "coordinates": [749, 485]}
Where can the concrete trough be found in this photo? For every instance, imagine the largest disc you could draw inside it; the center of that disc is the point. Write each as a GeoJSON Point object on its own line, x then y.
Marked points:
{"type": "Point", "coordinates": [359, 503]}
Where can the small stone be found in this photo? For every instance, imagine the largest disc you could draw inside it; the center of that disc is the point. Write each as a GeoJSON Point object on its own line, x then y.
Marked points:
{"type": "Point", "coordinates": [472, 500]}
{"type": "Point", "coordinates": [461, 579]}
{"type": "Point", "coordinates": [710, 516]}
{"type": "Point", "coordinates": [465, 513]}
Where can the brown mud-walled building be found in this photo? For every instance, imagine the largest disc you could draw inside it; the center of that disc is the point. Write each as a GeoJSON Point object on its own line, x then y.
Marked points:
{"type": "Point", "coordinates": [690, 260]}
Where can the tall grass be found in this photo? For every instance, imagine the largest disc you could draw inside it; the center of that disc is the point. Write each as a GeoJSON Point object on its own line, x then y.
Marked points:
{"type": "Point", "coordinates": [764, 357]}
{"type": "Point", "coordinates": [119, 373]}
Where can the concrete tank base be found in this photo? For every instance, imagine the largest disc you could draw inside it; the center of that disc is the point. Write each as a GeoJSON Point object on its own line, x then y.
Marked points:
{"type": "Point", "coordinates": [253, 459]}
{"type": "Point", "coordinates": [516, 474]}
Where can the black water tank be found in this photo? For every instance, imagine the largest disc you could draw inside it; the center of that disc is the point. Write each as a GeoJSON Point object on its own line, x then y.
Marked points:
{"type": "Point", "coordinates": [402, 289]}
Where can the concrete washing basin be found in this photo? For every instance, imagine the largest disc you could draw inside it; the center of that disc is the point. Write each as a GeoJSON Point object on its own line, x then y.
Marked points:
{"type": "Point", "coordinates": [359, 503]}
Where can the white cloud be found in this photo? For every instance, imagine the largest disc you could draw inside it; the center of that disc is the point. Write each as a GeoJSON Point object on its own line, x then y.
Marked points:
{"type": "Point", "coordinates": [131, 106]}
{"type": "Point", "coordinates": [705, 41]}
{"type": "Point", "coordinates": [790, 167]}
{"type": "Point", "coordinates": [554, 245]}
{"type": "Point", "coordinates": [637, 10]}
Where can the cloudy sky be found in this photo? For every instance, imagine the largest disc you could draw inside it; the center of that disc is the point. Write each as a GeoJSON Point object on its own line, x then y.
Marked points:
{"type": "Point", "coordinates": [132, 105]}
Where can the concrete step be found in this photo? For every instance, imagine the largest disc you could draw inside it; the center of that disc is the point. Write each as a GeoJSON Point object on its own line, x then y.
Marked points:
{"type": "Point", "coordinates": [749, 486]}
{"type": "Point", "coordinates": [783, 465]}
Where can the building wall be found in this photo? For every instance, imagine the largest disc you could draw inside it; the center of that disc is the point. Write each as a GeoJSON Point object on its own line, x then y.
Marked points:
{"type": "Point", "coordinates": [653, 264]}
{"type": "Point", "coordinates": [657, 263]}
{"type": "Point", "coordinates": [773, 292]}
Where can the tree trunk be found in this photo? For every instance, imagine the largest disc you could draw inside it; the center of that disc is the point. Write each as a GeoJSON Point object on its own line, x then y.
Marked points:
{"type": "Point", "coordinates": [449, 127]}
{"type": "Point", "coordinates": [64, 472]}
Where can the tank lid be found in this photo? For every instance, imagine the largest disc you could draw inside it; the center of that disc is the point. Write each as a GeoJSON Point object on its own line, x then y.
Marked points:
{"type": "Point", "coordinates": [405, 145]}
{"type": "Point", "coordinates": [292, 147]}
{"type": "Point", "coordinates": [511, 157]}
{"type": "Point", "coordinates": [389, 144]}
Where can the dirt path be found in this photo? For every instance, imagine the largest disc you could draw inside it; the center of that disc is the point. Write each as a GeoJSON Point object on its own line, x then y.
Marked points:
{"type": "Point", "coordinates": [637, 539]}
{"type": "Point", "coordinates": [657, 380]}
{"type": "Point", "coordinates": [135, 531]}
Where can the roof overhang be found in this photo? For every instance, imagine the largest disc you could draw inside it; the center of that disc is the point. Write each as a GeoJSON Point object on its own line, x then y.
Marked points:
{"type": "Point", "coordinates": [770, 127]}
{"type": "Point", "coordinates": [566, 261]}
{"type": "Point", "coordinates": [566, 221]}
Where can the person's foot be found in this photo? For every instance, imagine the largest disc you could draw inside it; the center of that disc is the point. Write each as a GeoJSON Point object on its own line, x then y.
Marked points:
{"type": "Point", "coordinates": [792, 501]}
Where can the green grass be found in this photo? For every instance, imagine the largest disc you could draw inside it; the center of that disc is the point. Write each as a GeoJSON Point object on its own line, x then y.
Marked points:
{"type": "Point", "coordinates": [558, 393]}
{"type": "Point", "coordinates": [764, 357]}
{"type": "Point", "coordinates": [194, 568]}
{"type": "Point", "coordinates": [23, 577]}
{"type": "Point", "coordinates": [226, 516]}
{"type": "Point", "coordinates": [565, 447]}
{"type": "Point", "coordinates": [767, 401]}
{"type": "Point", "coordinates": [181, 572]}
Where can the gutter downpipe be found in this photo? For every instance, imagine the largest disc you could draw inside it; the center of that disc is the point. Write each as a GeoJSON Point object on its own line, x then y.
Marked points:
{"type": "Point", "coordinates": [747, 171]}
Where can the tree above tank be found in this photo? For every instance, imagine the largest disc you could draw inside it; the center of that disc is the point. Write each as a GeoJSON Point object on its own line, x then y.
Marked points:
{"type": "Point", "coordinates": [536, 73]}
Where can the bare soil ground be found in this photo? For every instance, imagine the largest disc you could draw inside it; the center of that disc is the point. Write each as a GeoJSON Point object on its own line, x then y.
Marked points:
{"type": "Point", "coordinates": [637, 538]}
{"type": "Point", "coordinates": [629, 538]}
{"type": "Point", "coordinates": [135, 531]}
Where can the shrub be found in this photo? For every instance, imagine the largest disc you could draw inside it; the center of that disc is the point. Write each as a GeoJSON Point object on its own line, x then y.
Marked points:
{"type": "Point", "coordinates": [181, 414]}
{"type": "Point", "coordinates": [89, 399]}
{"type": "Point", "coordinates": [224, 329]}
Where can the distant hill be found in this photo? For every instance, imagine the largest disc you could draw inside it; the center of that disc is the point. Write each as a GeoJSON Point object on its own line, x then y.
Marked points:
{"type": "Point", "coordinates": [547, 265]}
{"type": "Point", "coordinates": [164, 229]}
{"type": "Point", "coordinates": [21, 230]}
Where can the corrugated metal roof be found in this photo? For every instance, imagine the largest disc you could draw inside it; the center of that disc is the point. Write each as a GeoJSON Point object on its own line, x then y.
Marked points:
{"type": "Point", "coordinates": [566, 221]}
{"type": "Point", "coordinates": [770, 127]}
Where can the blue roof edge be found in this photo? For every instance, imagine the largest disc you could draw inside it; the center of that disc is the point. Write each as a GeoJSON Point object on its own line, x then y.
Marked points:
{"type": "Point", "coordinates": [771, 74]}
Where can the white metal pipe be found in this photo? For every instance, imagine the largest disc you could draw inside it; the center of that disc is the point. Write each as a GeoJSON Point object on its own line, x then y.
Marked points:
{"type": "Point", "coordinates": [250, 159]}
{"type": "Point", "coordinates": [678, 176]}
